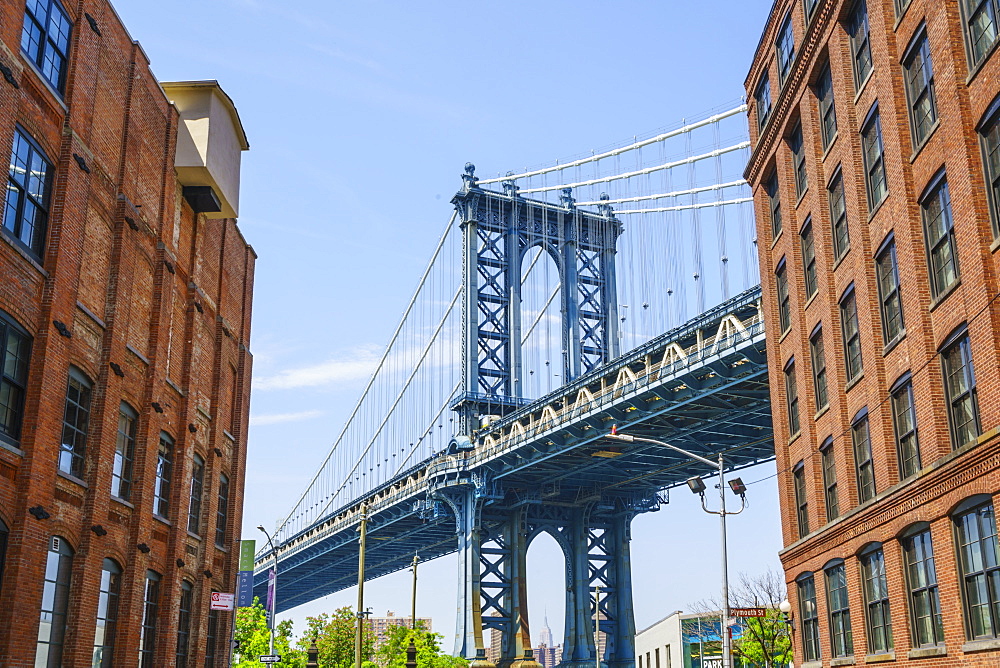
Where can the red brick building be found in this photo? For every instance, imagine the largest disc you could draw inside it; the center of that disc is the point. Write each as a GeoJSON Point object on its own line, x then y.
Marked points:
{"type": "Point", "coordinates": [125, 298]}
{"type": "Point", "coordinates": [875, 129]}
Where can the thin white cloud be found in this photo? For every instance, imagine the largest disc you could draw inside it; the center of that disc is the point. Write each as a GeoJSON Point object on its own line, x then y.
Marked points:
{"type": "Point", "coordinates": [278, 418]}
{"type": "Point", "coordinates": [358, 365]}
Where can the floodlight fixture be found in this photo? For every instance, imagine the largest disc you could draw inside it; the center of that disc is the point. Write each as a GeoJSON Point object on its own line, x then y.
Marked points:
{"type": "Point", "coordinates": [696, 484]}
{"type": "Point", "coordinates": [738, 487]}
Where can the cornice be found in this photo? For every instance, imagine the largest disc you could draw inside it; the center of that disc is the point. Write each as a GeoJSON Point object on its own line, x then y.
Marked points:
{"type": "Point", "coordinates": [792, 88]}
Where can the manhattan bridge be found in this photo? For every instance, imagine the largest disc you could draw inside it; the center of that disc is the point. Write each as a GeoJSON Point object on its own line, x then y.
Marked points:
{"type": "Point", "coordinates": [619, 287]}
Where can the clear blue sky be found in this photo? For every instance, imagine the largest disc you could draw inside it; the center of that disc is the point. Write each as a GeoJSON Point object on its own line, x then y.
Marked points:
{"type": "Point", "coordinates": [360, 117]}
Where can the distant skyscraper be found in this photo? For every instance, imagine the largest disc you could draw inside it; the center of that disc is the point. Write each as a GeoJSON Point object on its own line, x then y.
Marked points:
{"type": "Point", "coordinates": [546, 634]}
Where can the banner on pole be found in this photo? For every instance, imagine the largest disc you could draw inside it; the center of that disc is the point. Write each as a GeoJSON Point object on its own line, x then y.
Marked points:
{"type": "Point", "coordinates": [244, 589]}
{"type": "Point", "coordinates": [272, 577]}
{"type": "Point", "coordinates": [247, 550]}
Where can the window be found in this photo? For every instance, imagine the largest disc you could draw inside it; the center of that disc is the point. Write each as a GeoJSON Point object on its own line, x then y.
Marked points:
{"type": "Point", "coordinates": [838, 216]}
{"type": "Point", "coordinates": [861, 51]}
{"type": "Point", "coordinates": [211, 638]}
{"type": "Point", "coordinates": [919, 76]}
{"type": "Point", "coordinates": [810, 618]}
{"type": "Point", "coordinates": [960, 391]}
{"type": "Point", "coordinates": [887, 270]}
{"type": "Point", "coordinates": [786, 49]}
{"type": "Point", "coordinates": [939, 234]}
{"type": "Point", "coordinates": [55, 602]}
{"type": "Point", "coordinates": [830, 480]}
{"type": "Point", "coordinates": [852, 335]}
{"type": "Point", "coordinates": [872, 148]}
{"type": "Point", "coordinates": [989, 133]}
{"type": "Point", "coordinates": [75, 422]}
{"type": "Point", "coordinates": [45, 39]}
{"type": "Point", "coordinates": [901, 6]}
{"type": "Point", "coordinates": [980, 27]}
{"type": "Point", "coordinates": [234, 399]}
{"type": "Point", "coordinates": [876, 602]}
{"type": "Point", "coordinates": [197, 488]}
{"type": "Point", "coordinates": [861, 439]}
{"type": "Point", "coordinates": [921, 582]}
{"type": "Point", "coordinates": [819, 368]}
{"type": "Point", "coordinates": [164, 466]}
{"type": "Point", "coordinates": [29, 183]}
{"type": "Point", "coordinates": [827, 109]}
{"type": "Point", "coordinates": [107, 615]}
{"type": "Point", "coordinates": [904, 422]}
{"type": "Point", "coordinates": [222, 512]}
{"type": "Point", "coordinates": [774, 200]}
{"type": "Point", "coordinates": [184, 624]}
{"type": "Point", "coordinates": [656, 657]}
{"type": "Point", "coordinates": [147, 631]}
{"type": "Point", "coordinates": [762, 96]}
{"type": "Point", "coordinates": [801, 501]}
{"type": "Point", "coordinates": [15, 351]}
{"type": "Point", "coordinates": [809, 260]}
{"type": "Point", "coordinates": [810, 8]}
{"type": "Point", "coordinates": [841, 642]}
{"type": "Point", "coordinates": [797, 146]}
{"type": "Point", "coordinates": [121, 468]}
{"type": "Point", "coordinates": [792, 397]}
{"type": "Point", "coordinates": [784, 304]}
{"type": "Point", "coordinates": [977, 544]}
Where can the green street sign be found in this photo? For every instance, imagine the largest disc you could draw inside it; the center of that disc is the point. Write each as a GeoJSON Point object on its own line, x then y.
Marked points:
{"type": "Point", "coordinates": [247, 550]}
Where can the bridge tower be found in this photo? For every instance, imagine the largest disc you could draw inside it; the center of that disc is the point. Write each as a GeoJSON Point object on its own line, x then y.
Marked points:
{"type": "Point", "coordinates": [495, 526]}
{"type": "Point", "coordinates": [498, 230]}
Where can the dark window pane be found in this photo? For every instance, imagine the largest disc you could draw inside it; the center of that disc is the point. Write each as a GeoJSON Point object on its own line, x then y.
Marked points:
{"type": "Point", "coordinates": [784, 306]}
{"type": "Point", "coordinates": [977, 543]}
{"type": "Point", "coordinates": [164, 468]}
{"type": "Point", "coordinates": [147, 630]}
{"type": "Point", "coordinates": [876, 592]}
{"type": "Point", "coordinates": [75, 425]}
{"type": "Point", "coordinates": [981, 27]}
{"type": "Point", "coordinates": [801, 500]}
{"type": "Point", "coordinates": [786, 50]}
{"type": "Point", "coordinates": [195, 494]}
{"type": "Point", "coordinates": [841, 642]}
{"type": "Point", "coordinates": [762, 97]}
{"type": "Point", "coordinates": [921, 578]}
{"type": "Point", "coordinates": [827, 109]}
{"type": "Point", "coordinates": [838, 216]}
{"type": "Point", "coordinates": [861, 439]}
{"type": "Point", "coordinates": [121, 470]}
{"type": "Point", "coordinates": [852, 336]}
{"type": "Point", "coordinates": [857, 28]}
{"type": "Point", "coordinates": [904, 418]}
{"type": "Point", "coordinates": [774, 199]}
{"type": "Point", "coordinates": [819, 369]}
{"type": "Point", "coordinates": [55, 604]}
{"type": "Point", "coordinates": [872, 149]}
{"type": "Point", "coordinates": [810, 619]}
{"type": "Point", "coordinates": [940, 237]}
{"type": "Point", "coordinates": [887, 271]}
{"type": "Point", "coordinates": [830, 482]}
{"type": "Point", "coordinates": [28, 184]}
{"type": "Point", "coordinates": [960, 392]}
{"type": "Point", "coordinates": [919, 77]}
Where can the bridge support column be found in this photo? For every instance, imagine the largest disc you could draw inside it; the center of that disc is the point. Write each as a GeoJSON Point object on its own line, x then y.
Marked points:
{"type": "Point", "coordinates": [469, 625]}
{"type": "Point", "coordinates": [616, 608]}
{"type": "Point", "coordinates": [578, 641]}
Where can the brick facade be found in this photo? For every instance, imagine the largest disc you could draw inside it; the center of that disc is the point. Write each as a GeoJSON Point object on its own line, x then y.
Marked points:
{"type": "Point", "coordinates": [949, 473]}
{"type": "Point", "coordinates": [151, 302]}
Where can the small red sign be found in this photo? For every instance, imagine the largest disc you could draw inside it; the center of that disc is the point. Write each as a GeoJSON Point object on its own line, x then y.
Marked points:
{"type": "Point", "coordinates": [222, 601]}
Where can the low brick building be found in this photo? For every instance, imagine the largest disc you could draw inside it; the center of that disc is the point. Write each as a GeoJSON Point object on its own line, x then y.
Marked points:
{"type": "Point", "coordinates": [875, 129]}
{"type": "Point", "coordinates": [125, 300]}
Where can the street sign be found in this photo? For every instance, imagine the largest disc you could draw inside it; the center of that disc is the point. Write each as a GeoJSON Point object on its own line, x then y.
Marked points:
{"type": "Point", "coordinates": [247, 549]}
{"type": "Point", "coordinates": [244, 589]}
{"type": "Point", "coordinates": [748, 612]}
{"type": "Point", "coordinates": [270, 658]}
{"type": "Point", "coordinates": [222, 601]}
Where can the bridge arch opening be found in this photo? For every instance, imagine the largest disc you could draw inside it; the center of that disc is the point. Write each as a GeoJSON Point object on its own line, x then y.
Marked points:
{"type": "Point", "coordinates": [546, 575]}
{"type": "Point", "coordinates": [541, 323]}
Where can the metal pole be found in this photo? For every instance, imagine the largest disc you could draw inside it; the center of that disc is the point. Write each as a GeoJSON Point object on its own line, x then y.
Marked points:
{"type": "Point", "coordinates": [361, 588]}
{"type": "Point", "coordinates": [597, 625]}
{"type": "Point", "coordinates": [413, 601]}
{"type": "Point", "coordinates": [273, 586]}
{"type": "Point", "coordinates": [726, 641]}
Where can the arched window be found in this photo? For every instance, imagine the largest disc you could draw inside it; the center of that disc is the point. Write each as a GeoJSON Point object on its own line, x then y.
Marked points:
{"type": "Point", "coordinates": [184, 623]}
{"type": "Point", "coordinates": [195, 494]}
{"type": "Point", "coordinates": [121, 472]}
{"type": "Point", "coordinates": [55, 602]}
{"type": "Point", "coordinates": [926, 624]}
{"type": "Point", "coordinates": [976, 537]}
{"type": "Point", "coordinates": [222, 511]}
{"type": "Point", "coordinates": [809, 615]}
{"type": "Point", "coordinates": [15, 350]}
{"type": "Point", "coordinates": [164, 471]}
{"type": "Point", "coordinates": [107, 614]}
{"type": "Point", "coordinates": [876, 591]}
{"type": "Point", "coordinates": [841, 640]}
{"type": "Point", "coordinates": [147, 631]}
{"type": "Point", "coordinates": [76, 421]}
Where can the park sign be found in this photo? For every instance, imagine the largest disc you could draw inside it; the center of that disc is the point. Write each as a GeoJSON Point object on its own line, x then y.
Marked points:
{"type": "Point", "coordinates": [247, 550]}
{"type": "Point", "coordinates": [748, 612]}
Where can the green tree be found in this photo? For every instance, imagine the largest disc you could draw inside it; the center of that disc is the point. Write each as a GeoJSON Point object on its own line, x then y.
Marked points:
{"type": "Point", "coordinates": [391, 653]}
{"type": "Point", "coordinates": [335, 636]}
{"type": "Point", "coordinates": [253, 639]}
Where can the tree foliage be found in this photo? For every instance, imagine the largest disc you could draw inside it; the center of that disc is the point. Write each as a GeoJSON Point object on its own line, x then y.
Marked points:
{"type": "Point", "coordinates": [253, 639]}
{"type": "Point", "coordinates": [391, 653]}
{"type": "Point", "coordinates": [335, 637]}
{"type": "Point", "coordinates": [762, 641]}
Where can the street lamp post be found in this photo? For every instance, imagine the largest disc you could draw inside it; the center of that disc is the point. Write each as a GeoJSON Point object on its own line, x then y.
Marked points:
{"type": "Point", "coordinates": [698, 487]}
{"type": "Point", "coordinates": [359, 637]}
{"type": "Point", "coordinates": [274, 586]}
{"type": "Point", "coordinates": [413, 599]}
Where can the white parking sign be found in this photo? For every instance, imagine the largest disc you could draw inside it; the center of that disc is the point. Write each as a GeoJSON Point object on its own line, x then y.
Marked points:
{"type": "Point", "coordinates": [222, 601]}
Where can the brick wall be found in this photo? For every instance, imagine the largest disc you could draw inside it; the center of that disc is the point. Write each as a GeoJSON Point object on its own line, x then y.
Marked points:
{"type": "Point", "coordinates": [948, 475]}
{"type": "Point", "coordinates": [167, 304]}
